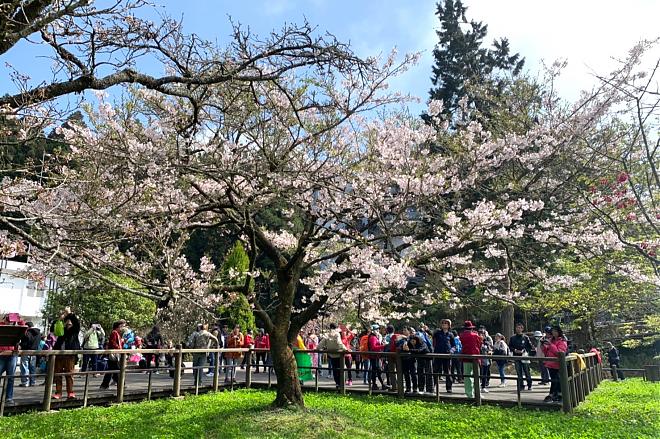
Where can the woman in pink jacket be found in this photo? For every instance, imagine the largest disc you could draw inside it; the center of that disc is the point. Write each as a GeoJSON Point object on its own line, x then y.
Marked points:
{"type": "Point", "coordinates": [551, 348]}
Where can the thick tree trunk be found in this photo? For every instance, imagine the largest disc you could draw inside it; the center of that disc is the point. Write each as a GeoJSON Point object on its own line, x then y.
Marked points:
{"type": "Point", "coordinates": [284, 363]}
{"type": "Point", "coordinates": [506, 318]}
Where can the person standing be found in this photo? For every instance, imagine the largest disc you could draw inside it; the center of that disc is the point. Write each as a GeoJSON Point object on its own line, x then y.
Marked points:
{"type": "Point", "coordinates": [443, 343]}
{"type": "Point", "coordinates": [471, 342]}
{"type": "Point", "coordinates": [538, 336]}
{"type": "Point", "coordinates": [92, 340]}
{"type": "Point", "coordinates": [65, 364]}
{"type": "Point", "coordinates": [114, 342]}
{"type": "Point", "coordinates": [29, 342]}
{"type": "Point", "coordinates": [153, 340]}
{"type": "Point", "coordinates": [332, 343]}
{"type": "Point", "coordinates": [521, 346]}
{"type": "Point", "coordinates": [551, 348]}
{"type": "Point", "coordinates": [201, 339]}
{"type": "Point", "coordinates": [500, 348]}
{"type": "Point", "coordinates": [346, 339]}
{"type": "Point", "coordinates": [424, 366]}
{"type": "Point", "coordinates": [8, 360]}
{"type": "Point", "coordinates": [248, 343]}
{"type": "Point", "coordinates": [234, 340]}
{"type": "Point", "coordinates": [614, 358]}
{"type": "Point", "coordinates": [456, 364]}
{"type": "Point", "coordinates": [374, 345]}
{"type": "Point", "coordinates": [262, 341]}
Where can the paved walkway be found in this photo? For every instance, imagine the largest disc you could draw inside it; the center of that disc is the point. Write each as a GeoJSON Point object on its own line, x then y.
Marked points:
{"type": "Point", "coordinates": [30, 398]}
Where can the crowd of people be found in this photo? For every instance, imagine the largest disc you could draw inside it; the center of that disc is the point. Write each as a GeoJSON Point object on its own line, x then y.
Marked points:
{"type": "Point", "coordinates": [358, 354]}
{"type": "Point", "coordinates": [424, 375]}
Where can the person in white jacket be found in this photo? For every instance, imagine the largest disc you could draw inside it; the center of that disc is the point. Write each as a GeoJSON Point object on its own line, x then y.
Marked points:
{"type": "Point", "coordinates": [501, 348]}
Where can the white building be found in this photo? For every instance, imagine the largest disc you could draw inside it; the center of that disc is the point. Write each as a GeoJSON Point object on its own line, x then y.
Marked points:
{"type": "Point", "coordinates": [21, 295]}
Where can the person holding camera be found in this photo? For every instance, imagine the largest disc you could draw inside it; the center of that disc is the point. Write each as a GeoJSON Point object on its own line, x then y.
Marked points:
{"type": "Point", "coordinates": [92, 340]}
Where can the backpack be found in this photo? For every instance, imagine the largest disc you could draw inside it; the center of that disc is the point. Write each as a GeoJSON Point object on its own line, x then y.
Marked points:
{"type": "Point", "coordinates": [364, 343]}
{"type": "Point", "coordinates": [58, 330]}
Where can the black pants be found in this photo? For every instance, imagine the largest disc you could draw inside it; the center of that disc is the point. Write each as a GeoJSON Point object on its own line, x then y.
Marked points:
{"type": "Point", "coordinates": [89, 362]}
{"type": "Point", "coordinates": [619, 373]}
{"type": "Point", "coordinates": [485, 376]}
{"type": "Point", "coordinates": [334, 364]}
{"type": "Point", "coordinates": [374, 371]}
{"type": "Point", "coordinates": [154, 357]}
{"type": "Point", "coordinates": [348, 363]}
{"type": "Point", "coordinates": [114, 366]}
{"type": "Point", "coordinates": [456, 370]}
{"type": "Point", "coordinates": [424, 377]}
{"type": "Point", "coordinates": [555, 386]}
{"type": "Point", "coordinates": [444, 366]}
{"type": "Point", "coordinates": [523, 368]}
{"type": "Point", "coordinates": [410, 374]}
{"type": "Point", "coordinates": [261, 356]}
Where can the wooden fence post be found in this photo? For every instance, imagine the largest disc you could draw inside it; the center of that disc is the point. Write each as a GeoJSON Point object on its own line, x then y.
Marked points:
{"type": "Point", "coordinates": [342, 372]}
{"type": "Point", "coordinates": [48, 385]}
{"type": "Point", "coordinates": [400, 389]}
{"type": "Point", "coordinates": [122, 378]}
{"type": "Point", "coordinates": [615, 375]}
{"type": "Point", "coordinates": [3, 394]}
{"type": "Point", "coordinates": [178, 363]}
{"type": "Point", "coordinates": [86, 391]}
{"type": "Point", "coordinates": [216, 371]}
{"type": "Point", "coordinates": [567, 407]}
{"type": "Point", "coordinates": [248, 370]}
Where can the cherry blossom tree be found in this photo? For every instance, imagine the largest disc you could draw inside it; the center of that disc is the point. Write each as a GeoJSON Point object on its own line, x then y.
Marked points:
{"type": "Point", "coordinates": [369, 209]}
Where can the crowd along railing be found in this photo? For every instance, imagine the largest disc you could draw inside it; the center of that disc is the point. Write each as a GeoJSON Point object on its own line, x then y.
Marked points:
{"type": "Point", "coordinates": [578, 376]}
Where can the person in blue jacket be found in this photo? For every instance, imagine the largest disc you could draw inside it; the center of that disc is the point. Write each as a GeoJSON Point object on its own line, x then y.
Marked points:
{"type": "Point", "coordinates": [457, 364]}
{"type": "Point", "coordinates": [444, 343]}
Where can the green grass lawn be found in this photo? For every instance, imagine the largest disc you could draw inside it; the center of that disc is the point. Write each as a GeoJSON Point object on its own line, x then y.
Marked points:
{"type": "Point", "coordinates": [629, 409]}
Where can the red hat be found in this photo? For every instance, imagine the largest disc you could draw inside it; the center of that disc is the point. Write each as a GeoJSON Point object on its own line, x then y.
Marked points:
{"type": "Point", "coordinates": [468, 325]}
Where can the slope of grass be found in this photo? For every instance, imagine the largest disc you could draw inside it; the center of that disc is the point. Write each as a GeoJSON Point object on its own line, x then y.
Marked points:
{"type": "Point", "coordinates": [629, 409]}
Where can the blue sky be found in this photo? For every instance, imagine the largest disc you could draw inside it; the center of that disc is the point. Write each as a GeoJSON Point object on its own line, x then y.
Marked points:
{"type": "Point", "coordinates": [586, 33]}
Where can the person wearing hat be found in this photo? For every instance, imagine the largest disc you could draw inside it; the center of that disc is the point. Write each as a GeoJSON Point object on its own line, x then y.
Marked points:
{"type": "Point", "coordinates": [471, 346]}
{"type": "Point", "coordinates": [551, 348]}
{"type": "Point", "coordinates": [521, 346]}
{"type": "Point", "coordinates": [443, 343]}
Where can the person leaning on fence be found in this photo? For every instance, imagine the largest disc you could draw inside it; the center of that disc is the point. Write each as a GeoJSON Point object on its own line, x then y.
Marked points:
{"type": "Point", "coordinates": [29, 342]}
{"type": "Point", "coordinates": [614, 358]}
{"type": "Point", "coordinates": [424, 366]}
{"type": "Point", "coordinates": [471, 346]}
{"type": "Point", "coordinates": [521, 346]}
{"type": "Point", "coordinates": [551, 348]}
{"type": "Point", "coordinates": [67, 363]}
{"type": "Point", "coordinates": [375, 345]}
{"type": "Point", "coordinates": [332, 343]}
{"type": "Point", "coordinates": [114, 342]}
{"type": "Point", "coordinates": [443, 343]}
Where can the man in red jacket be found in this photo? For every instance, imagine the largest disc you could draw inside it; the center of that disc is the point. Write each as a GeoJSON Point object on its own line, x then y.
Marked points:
{"type": "Point", "coordinates": [471, 346]}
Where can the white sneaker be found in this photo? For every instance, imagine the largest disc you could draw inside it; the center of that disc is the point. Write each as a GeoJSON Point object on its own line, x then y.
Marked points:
{"type": "Point", "coordinates": [502, 385]}
{"type": "Point", "coordinates": [209, 374]}
{"type": "Point", "coordinates": [484, 390]}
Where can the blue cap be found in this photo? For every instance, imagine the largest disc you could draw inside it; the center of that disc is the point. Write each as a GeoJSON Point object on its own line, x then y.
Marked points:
{"type": "Point", "coordinates": [547, 329]}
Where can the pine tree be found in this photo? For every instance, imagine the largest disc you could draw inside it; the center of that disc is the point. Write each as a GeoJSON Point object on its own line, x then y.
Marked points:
{"type": "Point", "coordinates": [461, 62]}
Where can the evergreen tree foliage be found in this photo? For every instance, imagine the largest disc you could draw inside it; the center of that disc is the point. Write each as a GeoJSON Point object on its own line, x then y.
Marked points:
{"type": "Point", "coordinates": [233, 272]}
{"type": "Point", "coordinates": [461, 61]}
